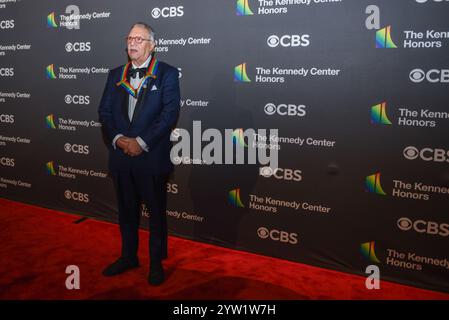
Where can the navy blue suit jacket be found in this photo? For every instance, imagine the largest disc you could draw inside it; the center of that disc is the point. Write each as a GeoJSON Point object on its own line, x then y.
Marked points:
{"type": "Point", "coordinates": [154, 117]}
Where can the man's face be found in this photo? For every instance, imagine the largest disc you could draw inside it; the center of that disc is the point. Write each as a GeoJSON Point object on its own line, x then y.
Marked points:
{"type": "Point", "coordinates": [139, 52]}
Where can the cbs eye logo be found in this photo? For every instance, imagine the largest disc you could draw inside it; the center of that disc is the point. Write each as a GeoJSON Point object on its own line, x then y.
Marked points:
{"type": "Point", "coordinates": [76, 148]}
{"type": "Point", "coordinates": [411, 153]}
{"type": "Point", "coordinates": [76, 196]}
{"type": "Point", "coordinates": [278, 235]}
{"type": "Point", "coordinates": [76, 99]}
{"type": "Point", "coordinates": [422, 226]}
{"type": "Point", "coordinates": [426, 154]}
{"type": "Point", "coordinates": [78, 47]}
{"type": "Point", "coordinates": [405, 224]}
{"type": "Point", "coordinates": [281, 174]}
{"type": "Point", "coordinates": [263, 232]}
{"type": "Point", "coordinates": [432, 76]}
{"type": "Point", "coordinates": [284, 109]}
{"type": "Point", "coordinates": [167, 12]}
{"type": "Point", "coordinates": [417, 75]}
{"type": "Point", "coordinates": [286, 41]}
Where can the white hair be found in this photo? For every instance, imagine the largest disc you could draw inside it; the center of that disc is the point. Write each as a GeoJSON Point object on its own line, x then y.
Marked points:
{"type": "Point", "coordinates": [151, 34]}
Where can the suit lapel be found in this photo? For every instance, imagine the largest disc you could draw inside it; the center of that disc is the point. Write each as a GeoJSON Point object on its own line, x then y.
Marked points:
{"type": "Point", "coordinates": [141, 98]}
{"type": "Point", "coordinates": [143, 93]}
{"type": "Point", "coordinates": [124, 97]}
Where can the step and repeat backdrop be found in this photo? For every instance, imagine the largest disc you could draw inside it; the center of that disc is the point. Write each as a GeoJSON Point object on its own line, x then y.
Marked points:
{"type": "Point", "coordinates": [358, 90]}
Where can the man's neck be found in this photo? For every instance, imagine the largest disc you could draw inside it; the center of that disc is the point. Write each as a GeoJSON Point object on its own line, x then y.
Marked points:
{"type": "Point", "coordinates": [141, 63]}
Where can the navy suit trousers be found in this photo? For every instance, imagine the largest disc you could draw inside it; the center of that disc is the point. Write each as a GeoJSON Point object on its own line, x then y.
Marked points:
{"type": "Point", "coordinates": [132, 190]}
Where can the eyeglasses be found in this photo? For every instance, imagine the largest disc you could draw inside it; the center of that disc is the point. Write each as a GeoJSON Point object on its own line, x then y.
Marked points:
{"type": "Point", "coordinates": [138, 40]}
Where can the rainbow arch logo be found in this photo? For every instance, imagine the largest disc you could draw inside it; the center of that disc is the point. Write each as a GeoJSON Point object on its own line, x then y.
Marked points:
{"type": "Point", "coordinates": [243, 8]}
{"type": "Point", "coordinates": [379, 114]}
{"type": "Point", "coordinates": [50, 71]}
{"type": "Point", "coordinates": [238, 137]}
{"type": "Point", "coordinates": [383, 39]}
{"type": "Point", "coordinates": [240, 73]}
{"type": "Point", "coordinates": [234, 198]}
{"type": "Point", "coordinates": [51, 21]}
{"type": "Point", "coordinates": [50, 168]}
{"type": "Point", "coordinates": [50, 121]}
{"type": "Point", "coordinates": [373, 185]}
{"type": "Point", "coordinates": [367, 250]}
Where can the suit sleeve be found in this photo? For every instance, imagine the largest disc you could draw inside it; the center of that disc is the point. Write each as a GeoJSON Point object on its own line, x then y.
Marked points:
{"type": "Point", "coordinates": [105, 109]}
{"type": "Point", "coordinates": [169, 112]}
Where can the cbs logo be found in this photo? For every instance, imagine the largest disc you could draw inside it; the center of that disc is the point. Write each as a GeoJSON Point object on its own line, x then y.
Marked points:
{"type": "Point", "coordinates": [167, 12]}
{"type": "Point", "coordinates": [7, 24]}
{"type": "Point", "coordinates": [433, 75]}
{"type": "Point", "coordinates": [78, 46]}
{"type": "Point", "coordinates": [277, 235]}
{"type": "Point", "coordinates": [7, 72]}
{"type": "Point", "coordinates": [76, 99]}
{"type": "Point", "coordinates": [426, 154]}
{"type": "Point", "coordinates": [77, 196]}
{"type": "Point", "coordinates": [6, 118]}
{"type": "Point", "coordinates": [281, 174]}
{"type": "Point", "coordinates": [7, 162]}
{"type": "Point", "coordinates": [285, 109]}
{"type": "Point", "coordinates": [76, 148]}
{"type": "Point", "coordinates": [172, 188]}
{"type": "Point", "coordinates": [421, 226]}
{"type": "Point", "coordinates": [287, 41]}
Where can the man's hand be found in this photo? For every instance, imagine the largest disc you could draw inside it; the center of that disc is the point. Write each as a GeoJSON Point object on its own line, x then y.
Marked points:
{"type": "Point", "coordinates": [122, 143]}
{"type": "Point", "coordinates": [130, 146]}
{"type": "Point", "coordinates": [134, 148]}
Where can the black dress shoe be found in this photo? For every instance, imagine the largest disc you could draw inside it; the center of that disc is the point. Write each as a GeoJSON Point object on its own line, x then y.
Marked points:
{"type": "Point", "coordinates": [120, 266]}
{"type": "Point", "coordinates": [156, 276]}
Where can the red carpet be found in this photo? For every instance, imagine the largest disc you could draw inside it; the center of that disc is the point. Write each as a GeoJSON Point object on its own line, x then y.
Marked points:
{"type": "Point", "coordinates": [37, 244]}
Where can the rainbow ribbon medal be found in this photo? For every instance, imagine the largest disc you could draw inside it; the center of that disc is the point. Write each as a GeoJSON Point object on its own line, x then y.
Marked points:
{"type": "Point", "coordinates": [151, 73]}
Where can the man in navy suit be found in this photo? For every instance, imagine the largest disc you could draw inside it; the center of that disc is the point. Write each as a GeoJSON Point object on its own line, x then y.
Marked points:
{"type": "Point", "coordinates": [138, 110]}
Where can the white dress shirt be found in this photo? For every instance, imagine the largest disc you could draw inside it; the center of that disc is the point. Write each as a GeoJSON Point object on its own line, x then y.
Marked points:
{"type": "Point", "coordinates": [135, 83]}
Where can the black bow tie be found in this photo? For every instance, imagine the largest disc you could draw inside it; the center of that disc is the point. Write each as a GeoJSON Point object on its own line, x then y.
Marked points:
{"type": "Point", "coordinates": [134, 71]}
